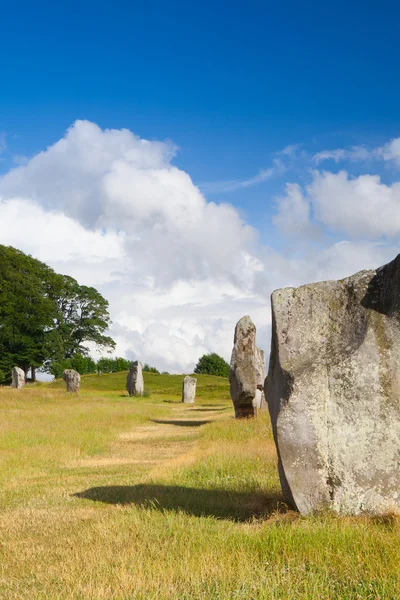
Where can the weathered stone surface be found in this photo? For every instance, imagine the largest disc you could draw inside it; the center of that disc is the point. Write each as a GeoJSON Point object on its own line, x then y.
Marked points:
{"type": "Point", "coordinates": [243, 369]}
{"type": "Point", "coordinates": [189, 389]}
{"type": "Point", "coordinates": [134, 380]}
{"type": "Point", "coordinates": [72, 380]}
{"type": "Point", "coordinates": [333, 390]}
{"type": "Point", "coordinates": [260, 375]}
{"type": "Point", "coordinates": [18, 378]}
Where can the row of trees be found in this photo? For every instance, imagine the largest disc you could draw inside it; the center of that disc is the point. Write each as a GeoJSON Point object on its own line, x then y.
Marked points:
{"type": "Point", "coordinates": [86, 364]}
{"type": "Point", "coordinates": [45, 318]}
{"type": "Point", "coordinates": [208, 364]}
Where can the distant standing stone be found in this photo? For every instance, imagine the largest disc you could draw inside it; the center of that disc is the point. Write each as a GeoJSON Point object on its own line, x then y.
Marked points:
{"type": "Point", "coordinates": [72, 379]}
{"type": "Point", "coordinates": [18, 378]}
{"type": "Point", "coordinates": [243, 369]}
{"type": "Point", "coordinates": [134, 380]}
{"type": "Point", "coordinates": [189, 389]}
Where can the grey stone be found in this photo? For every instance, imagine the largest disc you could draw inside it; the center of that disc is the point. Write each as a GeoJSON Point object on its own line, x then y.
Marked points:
{"type": "Point", "coordinates": [189, 389]}
{"type": "Point", "coordinates": [72, 380]}
{"type": "Point", "coordinates": [134, 380]}
{"type": "Point", "coordinates": [260, 375]}
{"type": "Point", "coordinates": [243, 369]}
{"type": "Point", "coordinates": [333, 390]}
{"type": "Point", "coordinates": [18, 378]}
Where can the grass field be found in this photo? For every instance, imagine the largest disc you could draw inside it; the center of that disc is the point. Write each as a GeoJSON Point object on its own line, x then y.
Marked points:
{"type": "Point", "coordinates": [108, 497]}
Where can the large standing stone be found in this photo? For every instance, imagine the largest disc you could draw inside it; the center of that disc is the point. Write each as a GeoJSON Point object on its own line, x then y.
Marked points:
{"type": "Point", "coordinates": [243, 369]}
{"type": "Point", "coordinates": [134, 380]}
{"type": "Point", "coordinates": [18, 378]}
{"type": "Point", "coordinates": [189, 389]}
{"type": "Point", "coordinates": [333, 391]}
{"type": "Point", "coordinates": [72, 379]}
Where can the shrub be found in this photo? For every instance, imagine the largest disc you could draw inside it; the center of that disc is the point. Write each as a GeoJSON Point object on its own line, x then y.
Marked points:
{"type": "Point", "coordinates": [212, 364]}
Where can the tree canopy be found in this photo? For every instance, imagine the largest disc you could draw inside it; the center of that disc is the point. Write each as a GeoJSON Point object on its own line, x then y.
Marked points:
{"type": "Point", "coordinates": [212, 364]}
{"type": "Point", "coordinates": [45, 318]}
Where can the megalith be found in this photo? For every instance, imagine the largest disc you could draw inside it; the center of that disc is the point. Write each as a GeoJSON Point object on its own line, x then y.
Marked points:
{"type": "Point", "coordinates": [261, 373]}
{"type": "Point", "coordinates": [72, 380]}
{"type": "Point", "coordinates": [246, 370]}
{"type": "Point", "coordinates": [18, 378]}
{"type": "Point", "coordinates": [134, 380]}
{"type": "Point", "coordinates": [189, 389]}
{"type": "Point", "coordinates": [333, 391]}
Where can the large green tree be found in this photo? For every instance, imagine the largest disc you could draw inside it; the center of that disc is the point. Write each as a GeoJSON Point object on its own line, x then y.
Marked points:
{"type": "Point", "coordinates": [45, 317]}
{"type": "Point", "coordinates": [26, 311]}
{"type": "Point", "coordinates": [212, 364]}
{"type": "Point", "coordinates": [81, 317]}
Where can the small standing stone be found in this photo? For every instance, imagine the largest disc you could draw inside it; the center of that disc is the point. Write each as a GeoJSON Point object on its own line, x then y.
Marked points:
{"type": "Point", "coordinates": [18, 378]}
{"type": "Point", "coordinates": [72, 379]}
{"type": "Point", "coordinates": [189, 389]}
{"type": "Point", "coordinates": [134, 380]}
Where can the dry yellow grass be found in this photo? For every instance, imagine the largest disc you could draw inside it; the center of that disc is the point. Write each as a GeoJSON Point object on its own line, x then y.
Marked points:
{"type": "Point", "coordinates": [103, 497]}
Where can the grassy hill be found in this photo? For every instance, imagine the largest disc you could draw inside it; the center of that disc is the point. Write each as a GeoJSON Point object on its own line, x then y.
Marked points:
{"type": "Point", "coordinates": [208, 386]}
{"type": "Point", "coordinates": [107, 497]}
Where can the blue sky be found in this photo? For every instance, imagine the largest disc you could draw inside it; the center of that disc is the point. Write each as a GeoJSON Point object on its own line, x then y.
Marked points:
{"type": "Point", "coordinates": [230, 83]}
{"type": "Point", "coordinates": [265, 104]}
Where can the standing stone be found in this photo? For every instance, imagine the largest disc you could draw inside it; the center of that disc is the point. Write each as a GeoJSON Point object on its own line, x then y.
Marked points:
{"type": "Point", "coordinates": [243, 369]}
{"type": "Point", "coordinates": [18, 378]}
{"type": "Point", "coordinates": [72, 379]}
{"type": "Point", "coordinates": [260, 375]}
{"type": "Point", "coordinates": [134, 380]}
{"type": "Point", "coordinates": [333, 391]}
{"type": "Point", "coordinates": [189, 389]}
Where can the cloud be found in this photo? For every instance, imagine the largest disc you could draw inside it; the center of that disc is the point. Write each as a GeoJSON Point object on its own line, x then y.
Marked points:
{"type": "Point", "coordinates": [113, 210]}
{"type": "Point", "coordinates": [390, 151]}
{"type": "Point", "coordinates": [357, 206]}
{"type": "Point", "coordinates": [387, 152]}
{"type": "Point", "coordinates": [56, 238]}
{"type": "Point", "coordinates": [290, 151]}
{"type": "Point", "coordinates": [113, 180]}
{"type": "Point", "coordinates": [354, 154]}
{"type": "Point", "coordinates": [293, 217]}
{"type": "Point", "coordinates": [361, 207]}
{"type": "Point", "coordinates": [231, 185]}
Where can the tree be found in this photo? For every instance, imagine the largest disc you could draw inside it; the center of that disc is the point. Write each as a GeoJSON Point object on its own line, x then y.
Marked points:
{"type": "Point", "coordinates": [148, 369]}
{"type": "Point", "coordinates": [212, 364]}
{"type": "Point", "coordinates": [26, 311]}
{"type": "Point", "coordinates": [82, 364]}
{"type": "Point", "coordinates": [112, 365]}
{"type": "Point", "coordinates": [45, 318]}
{"type": "Point", "coordinates": [82, 316]}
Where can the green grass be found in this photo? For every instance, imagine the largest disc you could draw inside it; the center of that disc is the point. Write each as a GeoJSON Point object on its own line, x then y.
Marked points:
{"type": "Point", "coordinates": [208, 386]}
{"type": "Point", "coordinates": [106, 497]}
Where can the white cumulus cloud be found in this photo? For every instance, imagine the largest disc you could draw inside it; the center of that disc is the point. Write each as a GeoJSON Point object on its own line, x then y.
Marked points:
{"type": "Point", "coordinates": [362, 207]}
{"type": "Point", "coordinates": [113, 210]}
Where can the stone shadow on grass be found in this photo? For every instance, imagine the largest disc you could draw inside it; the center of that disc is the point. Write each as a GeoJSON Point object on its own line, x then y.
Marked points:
{"type": "Point", "coordinates": [181, 423]}
{"type": "Point", "coordinates": [218, 503]}
{"type": "Point", "coordinates": [210, 409]}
